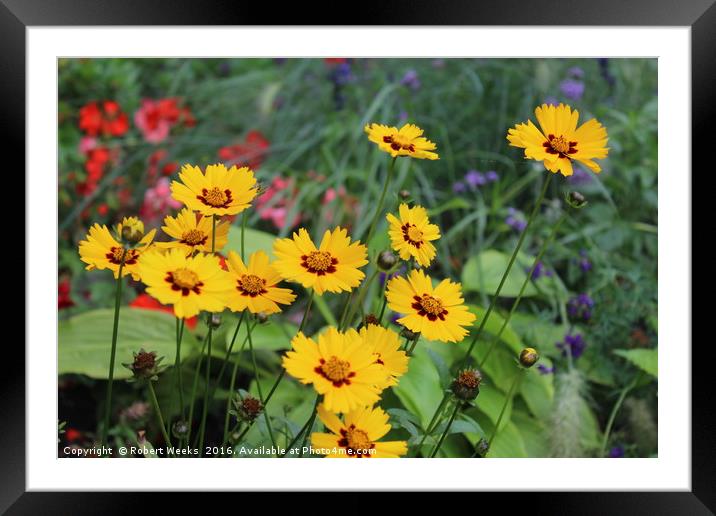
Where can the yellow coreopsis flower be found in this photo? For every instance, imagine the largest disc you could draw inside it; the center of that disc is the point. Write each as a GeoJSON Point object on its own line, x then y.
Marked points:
{"type": "Point", "coordinates": [191, 284]}
{"type": "Point", "coordinates": [254, 287]}
{"type": "Point", "coordinates": [410, 235]}
{"type": "Point", "coordinates": [437, 313]}
{"type": "Point", "coordinates": [385, 345]}
{"type": "Point", "coordinates": [560, 141]}
{"type": "Point", "coordinates": [220, 191]}
{"type": "Point", "coordinates": [193, 235]}
{"type": "Point", "coordinates": [339, 366]}
{"type": "Point", "coordinates": [333, 266]}
{"type": "Point", "coordinates": [406, 141]}
{"type": "Point", "coordinates": [100, 250]}
{"type": "Point", "coordinates": [357, 435]}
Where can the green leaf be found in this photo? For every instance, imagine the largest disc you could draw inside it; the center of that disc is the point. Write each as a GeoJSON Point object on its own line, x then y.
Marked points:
{"type": "Point", "coordinates": [508, 443]}
{"type": "Point", "coordinates": [419, 389]}
{"type": "Point", "coordinates": [494, 324]}
{"type": "Point", "coordinates": [253, 241]}
{"type": "Point", "coordinates": [645, 359]}
{"type": "Point", "coordinates": [483, 273]}
{"type": "Point", "coordinates": [85, 341]}
{"type": "Point", "coordinates": [538, 392]}
{"type": "Point", "coordinates": [490, 402]}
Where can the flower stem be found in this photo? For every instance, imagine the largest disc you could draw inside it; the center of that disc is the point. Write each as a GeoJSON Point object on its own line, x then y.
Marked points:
{"type": "Point", "coordinates": [231, 393]}
{"type": "Point", "coordinates": [433, 422]}
{"type": "Point", "coordinates": [158, 412]}
{"type": "Point", "coordinates": [205, 408]}
{"type": "Point", "coordinates": [381, 201]}
{"type": "Point", "coordinates": [361, 297]}
{"type": "Point", "coordinates": [412, 346]}
{"type": "Point", "coordinates": [508, 399]}
{"type": "Point", "coordinates": [193, 390]}
{"type": "Point", "coordinates": [310, 421]}
{"type": "Point", "coordinates": [113, 352]}
{"type": "Point", "coordinates": [528, 278]}
{"type": "Point", "coordinates": [447, 429]}
{"type": "Point", "coordinates": [613, 414]}
{"type": "Point", "coordinates": [177, 367]}
{"type": "Point", "coordinates": [258, 385]}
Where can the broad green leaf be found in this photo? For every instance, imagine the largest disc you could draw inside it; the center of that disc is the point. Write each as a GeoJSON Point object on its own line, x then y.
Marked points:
{"type": "Point", "coordinates": [533, 434]}
{"type": "Point", "coordinates": [85, 341]}
{"type": "Point", "coordinates": [490, 402]}
{"type": "Point", "coordinates": [253, 241]}
{"type": "Point", "coordinates": [483, 273]}
{"type": "Point", "coordinates": [645, 359]}
{"type": "Point", "coordinates": [419, 389]}
{"type": "Point", "coordinates": [493, 325]}
{"type": "Point", "coordinates": [538, 392]}
{"type": "Point", "coordinates": [508, 443]}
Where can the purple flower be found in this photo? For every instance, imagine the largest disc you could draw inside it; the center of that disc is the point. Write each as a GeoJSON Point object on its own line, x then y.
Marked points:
{"type": "Point", "coordinates": [411, 80]}
{"type": "Point", "coordinates": [341, 74]}
{"type": "Point", "coordinates": [491, 176]}
{"type": "Point", "coordinates": [475, 179]}
{"type": "Point", "coordinates": [459, 187]}
{"type": "Point", "coordinates": [572, 89]}
{"type": "Point", "coordinates": [580, 307]}
{"type": "Point", "coordinates": [516, 220]}
{"type": "Point", "coordinates": [403, 116]}
{"type": "Point", "coordinates": [617, 452]}
{"type": "Point", "coordinates": [540, 270]}
{"type": "Point", "coordinates": [584, 262]}
{"type": "Point", "coordinates": [579, 177]}
{"type": "Point", "coordinates": [543, 369]}
{"type": "Point", "coordinates": [576, 72]}
{"type": "Point", "coordinates": [551, 101]}
{"type": "Point", "coordinates": [572, 345]}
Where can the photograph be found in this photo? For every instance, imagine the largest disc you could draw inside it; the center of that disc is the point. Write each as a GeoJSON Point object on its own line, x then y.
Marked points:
{"type": "Point", "coordinates": [357, 257]}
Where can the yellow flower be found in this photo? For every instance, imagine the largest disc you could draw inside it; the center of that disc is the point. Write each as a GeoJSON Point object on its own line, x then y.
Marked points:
{"type": "Point", "coordinates": [254, 287]}
{"type": "Point", "coordinates": [357, 435]}
{"type": "Point", "coordinates": [408, 141]}
{"type": "Point", "coordinates": [339, 366]}
{"type": "Point", "coordinates": [193, 235]}
{"type": "Point", "coordinates": [100, 250]}
{"type": "Point", "coordinates": [332, 267]}
{"type": "Point", "coordinates": [191, 284]}
{"type": "Point", "coordinates": [220, 191]}
{"type": "Point", "coordinates": [385, 345]}
{"type": "Point", "coordinates": [410, 235]}
{"type": "Point", "coordinates": [130, 230]}
{"type": "Point", "coordinates": [437, 313]}
{"type": "Point", "coordinates": [560, 140]}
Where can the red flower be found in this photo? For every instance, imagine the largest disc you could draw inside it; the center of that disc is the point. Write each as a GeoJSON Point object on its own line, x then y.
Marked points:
{"type": "Point", "coordinates": [335, 60]}
{"type": "Point", "coordinates": [147, 302]}
{"type": "Point", "coordinates": [63, 294]}
{"type": "Point", "coordinates": [250, 153]}
{"type": "Point", "coordinates": [155, 118]}
{"type": "Point", "coordinates": [73, 435]}
{"type": "Point", "coordinates": [109, 120]}
{"type": "Point", "coordinates": [103, 209]}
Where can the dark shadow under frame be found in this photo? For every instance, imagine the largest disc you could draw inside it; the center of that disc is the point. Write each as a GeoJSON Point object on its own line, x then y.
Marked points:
{"type": "Point", "coordinates": [700, 15]}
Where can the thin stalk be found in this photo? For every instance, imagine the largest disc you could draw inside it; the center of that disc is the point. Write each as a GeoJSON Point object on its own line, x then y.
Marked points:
{"type": "Point", "coordinates": [177, 367]}
{"type": "Point", "coordinates": [433, 422]}
{"type": "Point", "coordinates": [359, 303]}
{"type": "Point", "coordinates": [412, 347]}
{"type": "Point", "coordinates": [447, 428]}
{"type": "Point", "coordinates": [113, 352]}
{"type": "Point", "coordinates": [381, 201]}
{"type": "Point", "coordinates": [205, 408]}
{"type": "Point", "coordinates": [258, 386]}
{"type": "Point", "coordinates": [310, 421]}
{"type": "Point", "coordinates": [508, 399]}
{"type": "Point", "coordinates": [613, 414]}
{"type": "Point", "coordinates": [231, 391]}
{"type": "Point", "coordinates": [158, 412]}
{"type": "Point", "coordinates": [193, 391]}
{"type": "Point", "coordinates": [528, 278]}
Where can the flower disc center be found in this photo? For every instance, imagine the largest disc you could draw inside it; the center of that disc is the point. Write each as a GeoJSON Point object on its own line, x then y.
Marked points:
{"type": "Point", "coordinates": [336, 369]}
{"type": "Point", "coordinates": [358, 439]}
{"type": "Point", "coordinates": [185, 278]}
{"type": "Point", "coordinates": [251, 284]}
{"type": "Point", "coordinates": [431, 305]}
{"type": "Point", "coordinates": [319, 260]}
{"type": "Point", "coordinates": [215, 197]}
{"type": "Point", "coordinates": [194, 237]}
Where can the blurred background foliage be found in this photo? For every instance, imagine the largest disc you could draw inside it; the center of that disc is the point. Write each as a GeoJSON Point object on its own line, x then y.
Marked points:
{"type": "Point", "coordinates": [591, 309]}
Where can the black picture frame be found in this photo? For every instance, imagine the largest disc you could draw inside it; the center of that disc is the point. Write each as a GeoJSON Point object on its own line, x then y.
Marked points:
{"type": "Point", "coordinates": [700, 15]}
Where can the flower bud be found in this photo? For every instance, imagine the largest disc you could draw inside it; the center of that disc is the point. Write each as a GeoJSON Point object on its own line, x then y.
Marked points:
{"type": "Point", "coordinates": [262, 317]}
{"type": "Point", "coordinates": [387, 260]}
{"type": "Point", "coordinates": [576, 200]}
{"type": "Point", "coordinates": [180, 429]}
{"type": "Point", "coordinates": [528, 357]}
{"type": "Point", "coordinates": [482, 447]}
{"type": "Point", "coordinates": [408, 334]}
{"type": "Point", "coordinates": [404, 195]}
{"type": "Point", "coordinates": [215, 321]}
{"type": "Point", "coordinates": [131, 230]}
{"type": "Point", "coordinates": [466, 386]}
{"type": "Point", "coordinates": [145, 365]}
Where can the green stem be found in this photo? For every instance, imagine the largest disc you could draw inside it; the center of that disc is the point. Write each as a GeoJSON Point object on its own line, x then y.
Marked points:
{"type": "Point", "coordinates": [113, 352]}
{"type": "Point", "coordinates": [310, 421]}
{"type": "Point", "coordinates": [359, 303]}
{"type": "Point", "coordinates": [205, 408]}
{"type": "Point", "coordinates": [379, 208]}
{"type": "Point", "coordinates": [508, 399]}
{"type": "Point", "coordinates": [177, 368]}
{"type": "Point", "coordinates": [231, 392]}
{"type": "Point", "coordinates": [258, 386]}
{"type": "Point", "coordinates": [433, 422]}
{"type": "Point", "coordinates": [412, 346]}
{"type": "Point", "coordinates": [193, 391]}
{"type": "Point", "coordinates": [447, 428]}
{"type": "Point", "coordinates": [507, 271]}
{"type": "Point", "coordinates": [344, 312]}
{"type": "Point", "coordinates": [613, 414]}
{"type": "Point", "coordinates": [528, 278]}
{"type": "Point", "coordinates": [158, 412]}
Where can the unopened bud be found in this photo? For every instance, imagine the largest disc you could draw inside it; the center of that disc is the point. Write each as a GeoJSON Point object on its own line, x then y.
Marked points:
{"type": "Point", "coordinates": [576, 200]}
{"type": "Point", "coordinates": [404, 195]}
{"type": "Point", "coordinates": [180, 429]}
{"type": "Point", "coordinates": [528, 357]}
{"type": "Point", "coordinates": [482, 447]}
{"type": "Point", "coordinates": [387, 260]}
{"type": "Point", "coordinates": [262, 317]}
{"type": "Point", "coordinates": [215, 321]}
{"type": "Point", "coordinates": [131, 230]}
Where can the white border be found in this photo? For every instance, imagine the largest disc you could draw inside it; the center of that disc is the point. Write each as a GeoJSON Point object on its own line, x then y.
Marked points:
{"type": "Point", "coordinates": [670, 471]}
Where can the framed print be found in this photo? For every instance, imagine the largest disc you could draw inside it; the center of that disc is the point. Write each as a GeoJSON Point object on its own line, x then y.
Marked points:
{"type": "Point", "coordinates": [464, 246]}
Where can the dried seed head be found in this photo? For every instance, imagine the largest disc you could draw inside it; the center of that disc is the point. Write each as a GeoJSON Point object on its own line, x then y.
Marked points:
{"type": "Point", "coordinates": [247, 408]}
{"type": "Point", "coordinates": [145, 365]}
{"type": "Point", "coordinates": [466, 386]}
{"type": "Point", "coordinates": [387, 260]}
{"type": "Point", "coordinates": [369, 319]}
